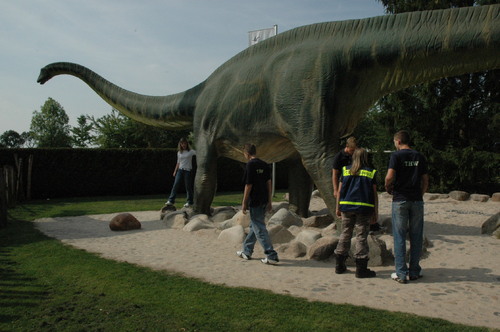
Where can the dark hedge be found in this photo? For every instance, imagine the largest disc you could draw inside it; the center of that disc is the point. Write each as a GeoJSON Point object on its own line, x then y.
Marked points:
{"type": "Point", "coordinates": [109, 172]}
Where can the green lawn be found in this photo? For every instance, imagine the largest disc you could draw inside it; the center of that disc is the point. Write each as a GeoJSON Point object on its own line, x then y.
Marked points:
{"type": "Point", "coordinates": [48, 286]}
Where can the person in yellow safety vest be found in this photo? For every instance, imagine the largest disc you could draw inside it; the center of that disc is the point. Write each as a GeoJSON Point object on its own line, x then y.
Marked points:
{"type": "Point", "coordinates": [358, 205]}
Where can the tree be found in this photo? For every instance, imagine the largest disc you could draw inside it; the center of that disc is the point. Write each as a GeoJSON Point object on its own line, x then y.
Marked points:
{"type": "Point", "coordinates": [110, 130]}
{"type": "Point", "coordinates": [453, 121]}
{"type": "Point", "coordinates": [28, 139]}
{"type": "Point", "coordinates": [49, 127]}
{"type": "Point", "coordinates": [118, 131]}
{"type": "Point", "coordinates": [82, 134]}
{"type": "Point", "coordinates": [11, 139]}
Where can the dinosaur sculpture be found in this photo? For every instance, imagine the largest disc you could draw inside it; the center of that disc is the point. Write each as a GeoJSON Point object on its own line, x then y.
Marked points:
{"type": "Point", "coordinates": [294, 95]}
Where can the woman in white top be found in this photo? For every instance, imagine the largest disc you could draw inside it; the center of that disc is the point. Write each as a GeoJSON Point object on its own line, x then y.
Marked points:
{"type": "Point", "coordinates": [183, 171]}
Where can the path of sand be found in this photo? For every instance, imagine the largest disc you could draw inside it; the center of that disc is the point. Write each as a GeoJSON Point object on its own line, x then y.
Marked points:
{"type": "Point", "coordinates": [461, 280]}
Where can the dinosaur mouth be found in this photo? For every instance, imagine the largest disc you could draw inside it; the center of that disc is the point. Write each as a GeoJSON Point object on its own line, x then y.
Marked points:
{"type": "Point", "coordinates": [43, 77]}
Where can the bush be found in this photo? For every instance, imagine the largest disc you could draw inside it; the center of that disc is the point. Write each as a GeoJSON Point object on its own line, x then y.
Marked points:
{"type": "Point", "coordinates": [110, 172]}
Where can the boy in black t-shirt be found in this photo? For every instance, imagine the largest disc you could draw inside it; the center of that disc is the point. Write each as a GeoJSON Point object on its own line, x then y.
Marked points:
{"type": "Point", "coordinates": [257, 198]}
{"type": "Point", "coordinates": [407, 181]}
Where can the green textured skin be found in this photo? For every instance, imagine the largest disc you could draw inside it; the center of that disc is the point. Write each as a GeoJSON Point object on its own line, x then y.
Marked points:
{"type": "Point", "coordinates": [294, 95]}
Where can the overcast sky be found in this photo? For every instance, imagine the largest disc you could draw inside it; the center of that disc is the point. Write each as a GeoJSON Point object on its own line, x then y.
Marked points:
{"type": "Point", "coordinates": [153, 47]}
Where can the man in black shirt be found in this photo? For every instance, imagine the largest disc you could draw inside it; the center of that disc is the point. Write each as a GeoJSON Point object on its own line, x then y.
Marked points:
{"type": "Point", "coordinates": [407, 181]}
{"type": "Point", "coordinates": [341, 159]}
{"type": "Point", "coordinates": [257, 198]}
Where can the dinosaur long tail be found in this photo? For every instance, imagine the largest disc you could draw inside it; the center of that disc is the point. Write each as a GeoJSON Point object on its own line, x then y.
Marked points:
{"type": "Point", "coordinates": [170, 112]}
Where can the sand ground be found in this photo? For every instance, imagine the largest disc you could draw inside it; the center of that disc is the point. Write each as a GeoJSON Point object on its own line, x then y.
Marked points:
{"type": "Point", "coordinates": [461, 280]}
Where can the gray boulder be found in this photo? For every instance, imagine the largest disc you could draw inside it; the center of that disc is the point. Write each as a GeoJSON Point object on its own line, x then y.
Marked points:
{"type": "Point", "coordinates": [276, 206]}
{"type": "Point", "coordinates": [386, 222]}
{"type": "Point", "coordinates": [491, 224]}
{"type": "Point", "coordinates": [234, 235]}
{"type": "Point", "coordinates": [222, 214]}
{"type": "Point", "coordinates": [388, 253]}
{"type": "Point", "coordinates": [241, 219]}
{"type": "Point", "coordinates": [496, 233]}
{"type": "Point", "coordinates": [176, 219]}
{"type": "Point", "coordinates": [459, 195]}
{"type": "Point", "coordinates": [316, 194]}
{"type": "Point", "coordinates": [323, 248]}
{"type": "Point", "coordinates": [479, 198]}
{"type": "Point", "coordinates": [280, 234]}
{"type": "Point", "coordinates": [385, 195]}
{"type": "Point", "coordinates": [377, 254]}
{"type": "Point", "coordinates": [294, 249]}
{"type": "Point", "coordinates": [330, 230]}
{"type": "Point", "coordinates": [318, 221]}
{"type": "Point", "coordinates": [199, 221]}
{"type": "Point", "coordinates": [431, 197]}
{"type": "Point", "coordinates": [285, 218]}
{"type": "Point", "coordinates": [295, 230]}
{"type": "Point", "coordinates": [308, 237]}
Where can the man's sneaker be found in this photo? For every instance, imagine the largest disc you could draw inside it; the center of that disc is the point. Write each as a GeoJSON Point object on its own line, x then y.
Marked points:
{"type": "Point", "coordinates": [168, 203]}
{"type": "Point", "coordinates": [269, 261]}
{"type": "Point", "coordinates": [187, 205]}
{"type": "Point", "coordinates": [413, 278]}
{"type": "Point", "coordinates": [243, 255]}
{"type": "Point", "coordinates": [395, 277]}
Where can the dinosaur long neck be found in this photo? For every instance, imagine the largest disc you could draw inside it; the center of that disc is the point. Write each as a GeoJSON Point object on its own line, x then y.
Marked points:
{"type": "Point", "coordinates": [169, 112]}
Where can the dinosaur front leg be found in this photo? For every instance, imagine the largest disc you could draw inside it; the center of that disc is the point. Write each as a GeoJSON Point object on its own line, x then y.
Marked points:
{"type": "Point", "coordinates": [299, 188]}
{"type": "Point", "coordinates": [318, 164]}
{"type": "Point", "coordinates": [205, 184]}
{"type": "Point", "coordinates": [321, 173]}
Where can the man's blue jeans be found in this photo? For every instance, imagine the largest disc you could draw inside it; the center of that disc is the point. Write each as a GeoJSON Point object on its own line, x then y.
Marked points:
{"type": "Point", "coordinates": [179, 176]}
{"type": "Point", "coordinates": [408, 217]}
{"type": "Point", "coordinates": [259, 232]}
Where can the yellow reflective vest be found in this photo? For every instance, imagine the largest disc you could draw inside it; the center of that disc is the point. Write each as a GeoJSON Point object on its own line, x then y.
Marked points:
{"type": "Point", "coordinates": [356, 194]}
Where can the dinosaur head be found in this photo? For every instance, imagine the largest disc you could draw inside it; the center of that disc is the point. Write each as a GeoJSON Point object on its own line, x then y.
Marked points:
{"type": "Point", "coordinates": [44, 76]}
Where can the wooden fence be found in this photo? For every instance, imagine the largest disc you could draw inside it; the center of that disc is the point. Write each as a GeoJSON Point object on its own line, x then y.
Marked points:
{"type": "Point", "coordinates": [3, 199]}
{"type": "Point", "coordinates": [14, 187]}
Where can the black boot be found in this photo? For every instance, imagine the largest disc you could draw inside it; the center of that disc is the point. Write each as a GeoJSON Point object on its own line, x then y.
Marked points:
{"type": "Point", "coordinates": [340, 264]}
{"type": "Point", "coordinates": [362, 271]}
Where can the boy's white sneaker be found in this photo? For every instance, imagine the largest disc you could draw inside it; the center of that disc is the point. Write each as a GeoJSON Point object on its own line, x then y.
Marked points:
{"type": "Point", "coordinates": [243, 255]}
{"type": "Point", "coordinates": [269, 261]}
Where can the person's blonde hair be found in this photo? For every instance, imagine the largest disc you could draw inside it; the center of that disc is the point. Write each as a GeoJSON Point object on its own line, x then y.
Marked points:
{"type": "Point", "coordinates": [359, 160]}
{"type": "Point", "coordinates": [351, 142]}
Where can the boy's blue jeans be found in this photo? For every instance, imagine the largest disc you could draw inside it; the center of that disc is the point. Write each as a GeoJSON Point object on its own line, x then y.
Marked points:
{"type": "Point", "coordinates": [408, 218]}
{"type": "Point", "coordinates": [258, 231]}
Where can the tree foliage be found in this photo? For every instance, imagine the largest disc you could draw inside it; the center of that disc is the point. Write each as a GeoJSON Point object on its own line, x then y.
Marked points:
{"type": "Point", "coordinates": [49, 127]}
{"type": "Point", "coordinates": [115, 130]}
{"type": "Point", "coordinates": [453, 121]}
{"type": "Point", "coordinates": [11, 139]}
{"type": "Point", "coordinates": [82, 134]}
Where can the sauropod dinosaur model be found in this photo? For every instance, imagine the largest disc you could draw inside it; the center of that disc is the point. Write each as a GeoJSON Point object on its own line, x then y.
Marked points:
{"type": "Point", "coordinates": [294, 95]}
